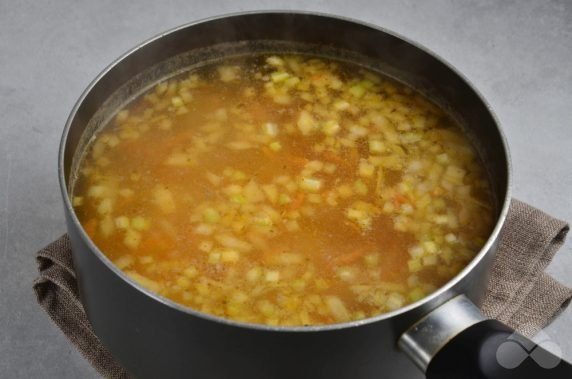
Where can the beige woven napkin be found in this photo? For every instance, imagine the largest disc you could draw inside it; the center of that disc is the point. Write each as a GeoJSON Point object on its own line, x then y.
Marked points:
{"type": "Point", "coordinates": [519, 293]}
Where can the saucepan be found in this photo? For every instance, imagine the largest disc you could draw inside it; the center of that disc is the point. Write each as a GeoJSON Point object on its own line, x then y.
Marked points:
{"type": "Point", "coordinates": [443, 335]}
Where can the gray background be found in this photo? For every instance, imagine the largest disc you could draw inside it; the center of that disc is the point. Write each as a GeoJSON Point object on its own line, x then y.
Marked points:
{"type": "Point", "coordinates": [518, 53]}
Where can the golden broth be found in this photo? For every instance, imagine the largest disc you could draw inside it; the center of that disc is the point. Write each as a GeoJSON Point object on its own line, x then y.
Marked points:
{"type": "Point", "coordinates": [285, 190]}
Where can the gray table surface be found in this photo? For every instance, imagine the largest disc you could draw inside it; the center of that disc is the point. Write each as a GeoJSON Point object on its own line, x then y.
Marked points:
{"type": "Point", "coordinates": [518, 53]}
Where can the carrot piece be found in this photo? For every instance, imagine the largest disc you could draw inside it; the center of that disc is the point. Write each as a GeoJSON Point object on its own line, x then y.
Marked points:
{"type": "Point", "coordinates": [157, 243]}
{"type": "Point", "coordinates": [267, 151]}
{"type": "Point", "coordinates": [332, 157]}
{"type": "Point", "coordinates": [90, 227]}
{"type": "Point", "coordinates": [328, 320]}
{"type": "Point", "coordinates": [399, 199]}
{"type": "Point", "coordinates": [349, 258]}
{"type": "Point", "coordinates": [298, 161]}
{"type": "Point", "coordinates": [298, 201]}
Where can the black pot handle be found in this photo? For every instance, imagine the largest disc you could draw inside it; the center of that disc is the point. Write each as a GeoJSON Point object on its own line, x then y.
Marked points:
{"type": "Point", "coordinates": [492, 350]}
{"type": "Point", "coordinates": [456, 341]}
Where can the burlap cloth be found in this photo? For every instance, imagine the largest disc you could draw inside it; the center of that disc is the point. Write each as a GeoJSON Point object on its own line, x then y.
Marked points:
{"type": "Point", "coordinates": [519, 292]}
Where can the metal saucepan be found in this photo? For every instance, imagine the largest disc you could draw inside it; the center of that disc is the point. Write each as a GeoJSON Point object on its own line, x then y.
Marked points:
{"type": "Point", "coordinates": [444, 334]}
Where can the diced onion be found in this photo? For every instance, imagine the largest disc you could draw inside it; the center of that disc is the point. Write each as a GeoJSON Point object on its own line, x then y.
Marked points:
{"type": "Point", "coordinates": [310, 184]}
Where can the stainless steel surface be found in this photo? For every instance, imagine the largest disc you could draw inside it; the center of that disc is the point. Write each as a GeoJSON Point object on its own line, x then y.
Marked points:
{"type": "Point", "coordinates": [365, 348]}
{"type": "Point", "coordinates": [427, 336]}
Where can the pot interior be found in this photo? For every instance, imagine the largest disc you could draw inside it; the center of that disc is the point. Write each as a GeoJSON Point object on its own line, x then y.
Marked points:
{"type": "Point", "coordinates": [139, 83]}
{"type": "Point", "coordinates": [200, 44]}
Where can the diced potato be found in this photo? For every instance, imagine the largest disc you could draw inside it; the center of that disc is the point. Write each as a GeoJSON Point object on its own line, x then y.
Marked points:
{"type": "Point", "coordinates": [330, 168]}
{"type": "Point", "coordinates": [214, 257]}
{"type": "Point", "coordinates": [211, 215]}
{"type": "Point", "coordinates": [292, 226]}
{"type": "Point", "coordinates": [430, 247]}
{"type": "Point", "coordinates": [406, 209]}
{"type": "Point", "coordinates": [203, 229]}
{"type": "Point", "coordinates": [290, 258]}
{"type": "Point", "coordinates": [341, 105]}
{"type": "Point", "coordinates": [284, 198]}
{"type": "Point", "coordinates": [221, 114]}
{"type": "Point", "coordinates": [177, 102]}
{"type": "Point", "coordinates": [186, 96]}
{"type": "Point", "coordinates": [429, 260]}
{"type": "Point", "coordinates": [279, 76]}
{"type": "Point", "coordinates": [314, 166]}
{"type": "Point", "coordinates": [346, 273]}
{"type": "Point", "coordinates": [331, 128]}
{"type": "Point", "coordinates": [395, 301]}
{"type": "Point", "coordinates": [345, 191]}
{"type": "Point", "coordinates": [206, 246]}
{"type": "Point", "coordinates": [122, 115]}
{"type": "Point", "coordinates": [337, 308]}
{"type": "Point", "coordinates": [416, 294]}
{"type": "Point", "coordinates": [147, 259]}
{"type": "Point", "coordinates": [164, 199]}
{"type": "Point", "coordinates": [233, 242]}
{"type": "Point", "coordinates": [414, 265]}
{"type": "Point", "coordinates": [416, 251]}
{"type": "Point", "coordinates": [372, 260]}
{"type": "Point", "coordinates": [271, 192]}
{"type": "Point", "coordinates": [358, 131]}
{"type": "Point", "coordinates": [450, 238]}
{"type": "Point", "coordinates": [124, 261]}
{"type": "Point", "coordinates": [442, 158]}
{"type": "Point", "coordinates": [179, 159]}
{"type": "Point", "coordinates": [357, 90]}
{"type": "Point", "coordinates": [97, 191]}
{"type": "Point", "coordinates": [376, 147]}
{"type": "Point", "coordinates": [274, 61]}
{"type": "Point", "coordinates": [139, 223]}
{"type": "Point", "coordinates": [113, 141]}
{"type": "Point", "coordinates": [230, 256]}
{"type": "Point", "coordinates": [272, 276]}
{"type": "Point", "coordinates": [366, 169]}
{"type": "Point", "coordinates": [213, 179]}
{"type": "Point", "coordinates": [254, 274]}
{"type": "Point", "coordinates": [122, 222]}
{"type": "Point", "coordinates": [183, 282]}
{"type": "Point", "coordinates": [262, 220]}
{"type": "Point", "coordinates": [270, 129]}
{"type": "Point", "coordinates": [228, 73]}
{"type": "Point", "coordinates": [107, 226]}
{"type": "Point", "coordinates": [126, 192]}
{"type": "Point", "coordinates": [275, 146]}
{"type": "Point", "coordinates": [144, 281]}
{"type": "Point", "coordinates": [306, 123]}
{"type": "Point", "coordinates": [132, 239]}
{"type": "Point", "coordinates": [388, 207]}
{"type": "Point", "coordinates": [253, 193]}
{"type": "Point", "coordinates": [360, 188]}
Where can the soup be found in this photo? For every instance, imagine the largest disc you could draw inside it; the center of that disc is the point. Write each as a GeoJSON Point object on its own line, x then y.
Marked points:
{"type": "Point", "coordinates": [284, 190]}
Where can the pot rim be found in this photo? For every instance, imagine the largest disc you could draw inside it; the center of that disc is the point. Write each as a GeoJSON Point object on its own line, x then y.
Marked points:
{"type": "Point", "coordinates": [262, 327]}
